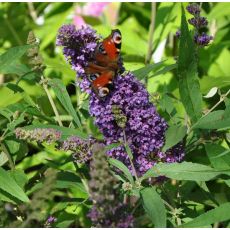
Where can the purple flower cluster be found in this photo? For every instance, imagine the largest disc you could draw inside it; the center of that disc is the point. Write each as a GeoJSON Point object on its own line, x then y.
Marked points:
{"type": "Point", "coordinates": [78, 48]}
{"type": "Point", "coordinates": [200, 24]}
{"type": "Point", "coordinates": [80, 148]}
{"type": "Point", "coordinates": [144, 128]}
{"type": "Point", "coordinates": [202, 39]}
{"type": "Point", "coordinates": [40, 135]}
{"type": "Point", "coordinates": [50, 221]}
{"type": "Point", "coordinates": [193, 9]}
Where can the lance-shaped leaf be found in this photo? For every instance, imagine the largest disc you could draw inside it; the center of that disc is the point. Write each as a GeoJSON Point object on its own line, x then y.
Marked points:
{"type": "Point", "coordinates": [63, 97]}
{"type": "Point", "coordinates": [189, 87]}
{"type": "Point", "coordinates": [154, 207]}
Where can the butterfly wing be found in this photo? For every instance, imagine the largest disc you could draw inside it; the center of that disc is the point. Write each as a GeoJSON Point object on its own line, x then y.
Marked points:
{"type": "Point", "coordinates": [102, 84]}
{"type": "Point", "coordinates": [103, 70]}
{"type": "Point", "coordinates": [107, 52]}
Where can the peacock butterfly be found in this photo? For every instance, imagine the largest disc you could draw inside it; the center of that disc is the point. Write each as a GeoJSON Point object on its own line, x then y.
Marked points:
{"type": "Point", "coordinates": [105, 66]}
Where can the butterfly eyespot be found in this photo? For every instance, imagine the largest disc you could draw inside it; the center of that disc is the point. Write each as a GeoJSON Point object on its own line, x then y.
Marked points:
{"type": "Point", "coordinates": [101, 49]}
{"type": "Point", "coordinates": [117, 39]}
{"type": "Point", "coordinates": [103, 92]}
{"type": "Point", "coordinates": [93, 77]}
{"type": "Point", "coordinates": [117, 36]}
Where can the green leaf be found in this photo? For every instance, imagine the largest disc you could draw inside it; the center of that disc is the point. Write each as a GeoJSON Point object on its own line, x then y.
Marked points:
{"type": "Point", "coordinates": [174, 134]}
{"type": "Point", "coordinates": [68, 179]}
{"type": "Point", "coordinates": [19, 176]}
{"type": "Point", "coordinates": [218, 156]}
{"type": "Point", "coordinates": [9, 185]}
{"type": "Point", "coordinates": [189, 87]}
{"type": "Point", "coordinates": [63, 97]}
{"type": "Point", "coordinates": [17, 148]}
{"type": "Point", "coordinates": [143, 72]}
{"type": "Point", "coordinates": [154, 207]}
{"type": "Point", "coordinates": [129, 152]}
{"type": "Point", "coordinates": [118, 164]}
{"type": "Point", "coordinates": [3, 158]}
{"type": "Point", "coordinates": [164, 70]}
{"type": "Point", "coordinates": [215, 215]}
{"type": "Point", "coordinates": [214, 120]}
{"type": "Point", "coordinates": [12, 125]}
{"type": "Point", "coordinates": [184, 171]}
{"type": "Point", "coordinates": [9, 60]}
{"type": "Point", "coordinates": [111, 146]}
{"type": "Point", "coordinates": [166, 103]}
{"type": "Point", "coordinates": [30, 109]}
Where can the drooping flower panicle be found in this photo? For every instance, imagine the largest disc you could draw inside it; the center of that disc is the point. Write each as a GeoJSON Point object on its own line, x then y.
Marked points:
{"type": "Point", "coordinates": [78, 48]}
{"type": "Point", "coordinates": [81, 149]}
{"type": "Point", "coordinates": [143, 129]}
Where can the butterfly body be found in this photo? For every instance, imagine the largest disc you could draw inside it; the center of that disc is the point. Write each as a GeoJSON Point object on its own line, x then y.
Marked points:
{"type": "Point", "coordinates": [103, 70]}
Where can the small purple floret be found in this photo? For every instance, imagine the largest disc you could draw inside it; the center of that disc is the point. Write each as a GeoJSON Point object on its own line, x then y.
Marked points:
{"type": "Point", "coordinates": [193, 9]}
{"type": "Point", "coordinates": [198, 22]}
{"type": "Point", "coordinates": [203, 39]}
{"type": "Point", "coordinates": [51, 219]}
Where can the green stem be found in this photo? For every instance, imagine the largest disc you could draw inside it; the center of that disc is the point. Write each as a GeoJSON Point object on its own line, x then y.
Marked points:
{"type": "Point", "coordinates": [168, 205]}
{"type": "Point", "coordinates": [13, 31]}
{"type": "Point", "coordinates": [32, 11]}
{"type": "Point", "coordinates": [131, 162]}
{"type": "Point", "coordinates": [151, 32]}
{"type": "Point", "coordinates": [51, 102]}
{"type": "Point", "coordinates": [222, 98]}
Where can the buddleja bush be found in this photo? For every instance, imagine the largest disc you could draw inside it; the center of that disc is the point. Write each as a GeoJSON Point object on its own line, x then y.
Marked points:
{"type": "Point", "coordinates": [134, 170]}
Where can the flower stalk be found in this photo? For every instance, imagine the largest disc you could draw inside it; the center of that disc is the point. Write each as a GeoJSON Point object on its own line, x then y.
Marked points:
{"type": "Point", "coordinates": [43, 82]}
{"type": "Point", "coordinates": [151, 33]}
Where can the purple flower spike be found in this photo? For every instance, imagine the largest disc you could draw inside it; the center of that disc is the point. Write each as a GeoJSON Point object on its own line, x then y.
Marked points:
{"type": "Point", "coordinates": [78, 48]}
{"type": "Point", "coordinates": [200, 23]}
{"type": "Point", "coordinates": [193, 9]}
{"type": "Point", "coordinates": [140, 124]}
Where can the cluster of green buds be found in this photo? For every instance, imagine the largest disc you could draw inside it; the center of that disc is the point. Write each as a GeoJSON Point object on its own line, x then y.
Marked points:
{"type": "Point", "coordinates": [119, 116]}
{"type": "Point", "coordinates": [35, 59]}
